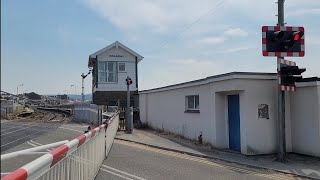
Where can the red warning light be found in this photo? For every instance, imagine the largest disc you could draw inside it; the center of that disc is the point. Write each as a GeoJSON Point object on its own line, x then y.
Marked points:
{"type": "Point", "coordinates": [296, 37]}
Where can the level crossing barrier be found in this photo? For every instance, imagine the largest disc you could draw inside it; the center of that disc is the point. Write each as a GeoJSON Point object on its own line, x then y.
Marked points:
{"type": "Point", "coordinates": [79, 159]}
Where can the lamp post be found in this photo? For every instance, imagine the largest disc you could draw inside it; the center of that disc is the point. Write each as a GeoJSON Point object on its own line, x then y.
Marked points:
{"type": "Point", "coordinates": [75, 91]}
{"type": "Point", "coordinates": [65, 92]}
{"type": "Point", "coordinates": [18, 88]}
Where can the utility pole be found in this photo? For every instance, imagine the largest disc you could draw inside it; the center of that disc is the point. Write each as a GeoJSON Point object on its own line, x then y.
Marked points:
{"type": "Point", "coordinates": [18, 88]}
{"type": "Point", "coordinates": [281, 98]}
{"type": "Point", "coordinates": [75, 93]}
{"type": "Point", "coordinates": [82, 92]}
{"type": "Point", "coordinates": [129, 124]}
{"type": "Point", "coordinates": [83, 77]}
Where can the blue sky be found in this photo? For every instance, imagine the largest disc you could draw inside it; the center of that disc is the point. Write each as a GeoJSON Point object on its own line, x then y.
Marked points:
{"type": "Point", "coordinates": [45, 44]}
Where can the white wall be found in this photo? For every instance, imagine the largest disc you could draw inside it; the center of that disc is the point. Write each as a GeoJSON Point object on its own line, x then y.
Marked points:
{"type": "Point", "coordinates": [165, 110]}
{"type": "Point", "coordinates": [305, 116]}
{"type": "Point", "coordinates": [260, 134]}
{"type": "Point", "coordinates": [129, 61]}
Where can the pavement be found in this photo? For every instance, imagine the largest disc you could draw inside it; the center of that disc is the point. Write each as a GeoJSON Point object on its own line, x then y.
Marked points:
{"type": "Point", "coordinates": [298, 165]}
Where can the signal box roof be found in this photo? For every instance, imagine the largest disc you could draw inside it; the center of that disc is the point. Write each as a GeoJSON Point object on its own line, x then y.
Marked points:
{"type": "Point", "coordinates": [115, 44]}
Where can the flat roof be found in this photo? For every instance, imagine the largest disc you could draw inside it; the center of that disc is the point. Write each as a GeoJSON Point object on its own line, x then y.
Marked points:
{"type": "Point", "coordinates": [220, 77]}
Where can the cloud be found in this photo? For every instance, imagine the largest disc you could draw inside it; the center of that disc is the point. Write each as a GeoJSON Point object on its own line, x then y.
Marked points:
{"type": "Point", "coordinates": [138, 14]}
{"type": "Point", "coordinates": [232, 50]}
{"type": "Point", "coordinates": [303, 12]}
{"type": "Point", "coordinates": [159, 15]}
{"type": "Point", "coordinates": [236, 32]}
{"type": "Point", "coordinates": [184, 61]}
{"type": "Point", "coordinates": [182, 70]}
{"type": "Point", "coordinates": [148, 24]}
{"type": "Point", "coordinates": [212, 40]}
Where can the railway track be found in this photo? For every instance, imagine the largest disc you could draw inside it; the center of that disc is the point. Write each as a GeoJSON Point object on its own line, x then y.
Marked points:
{"type": "Point", "coordinates": [40, 115]}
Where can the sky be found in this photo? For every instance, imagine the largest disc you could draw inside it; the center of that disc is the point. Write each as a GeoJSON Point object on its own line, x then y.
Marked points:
{"type": "Point", "coordinates": [45, 44]}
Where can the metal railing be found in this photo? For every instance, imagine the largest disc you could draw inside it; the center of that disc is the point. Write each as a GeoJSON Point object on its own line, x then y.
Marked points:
{"type": "Point", "coordinates": [78, 159]}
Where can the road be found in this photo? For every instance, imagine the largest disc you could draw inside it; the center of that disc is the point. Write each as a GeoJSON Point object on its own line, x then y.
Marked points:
{"type": "Point", "coordinates": [27, 135]}
{"type": "Point", "coordinates": [16, 133]}
{"type": "Point", "coordinates": [132, 161]}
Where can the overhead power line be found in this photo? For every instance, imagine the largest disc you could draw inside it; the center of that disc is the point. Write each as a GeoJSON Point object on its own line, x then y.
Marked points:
{"type": "Point", "coordinates": [211, 11]}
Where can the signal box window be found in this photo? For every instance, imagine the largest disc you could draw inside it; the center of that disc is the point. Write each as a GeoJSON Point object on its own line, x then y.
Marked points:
{"type": "Point", "coordinates": [107, 72]}
{"type": "Point", "coordinates": [192, 104]}
{"type": "Point", "coordinates": [122, 67]}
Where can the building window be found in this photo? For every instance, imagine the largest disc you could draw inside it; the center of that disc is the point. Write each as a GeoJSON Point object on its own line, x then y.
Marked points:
{"type": "Point", "coordinates": [107, 72]}
{"type": "Point", "coordinates": [122, 67]}
{"type": "Point", "coordinates": [192, 103]}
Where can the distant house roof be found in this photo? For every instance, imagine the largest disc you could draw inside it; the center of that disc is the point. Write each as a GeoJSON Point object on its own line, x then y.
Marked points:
{"type": "Point", "coordinates": [220, 77]}
{"type": "Point", "coordinates": [115, 44]}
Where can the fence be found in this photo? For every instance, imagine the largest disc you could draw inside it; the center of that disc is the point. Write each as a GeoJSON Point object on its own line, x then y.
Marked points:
{"type": "Point", "coordinates": [78, 159]}
{"type": "Point", "coordinates": [7, 106]}
{"type": "Point", "coordinates": [87, 113]}
{"type": "Point", "coordinates": [4, 113]}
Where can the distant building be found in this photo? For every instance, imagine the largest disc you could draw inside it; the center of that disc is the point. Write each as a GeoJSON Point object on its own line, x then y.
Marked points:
{"type": "Point", "coordinates": [111, 66]}
{"type": "Point", "coordinates": [237, 111]}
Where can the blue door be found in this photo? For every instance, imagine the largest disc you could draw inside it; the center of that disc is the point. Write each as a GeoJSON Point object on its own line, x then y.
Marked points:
{"type": "Point", "coordinates": [234, 122]}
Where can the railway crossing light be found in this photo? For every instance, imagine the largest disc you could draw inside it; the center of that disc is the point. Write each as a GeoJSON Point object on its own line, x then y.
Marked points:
{"type": "Point", "coordinates": [128, 81]}
{"type": "Point", "coordinates": [282, 41]}
{"type": "Point", "coordinates": [290, 75]}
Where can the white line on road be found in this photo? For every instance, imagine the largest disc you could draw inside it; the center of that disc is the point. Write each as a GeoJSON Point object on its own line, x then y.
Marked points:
{"type": "Point", "coordinates": [31, 144]}
{"type": "Point", "coordinates": [22, 124]}
{"type": "Point", "coordinates": [47, 127]}
{"type": "Point", "coordinates": [18, 130]}
{"type": "Point", "coordinates": [73, 125]}
{"type": "Point", "coordinates": [278, 176]}
{"type": "Point", "coordinates": [117, 170]}
{"type": "Point", "coordinates": [36, 143]}
{"type": "Point", "coordinates": [5, 121]}
{"type": "Point", "coordinates": [124, 177]}
{"type": "Point", "coordinates": [71, 129]}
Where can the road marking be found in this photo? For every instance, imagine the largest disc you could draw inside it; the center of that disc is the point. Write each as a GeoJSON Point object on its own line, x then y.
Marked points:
{"type": "Point", "coordinates": [71, 129]}
{"type": "Point", "coordinates": [22, 124]}
{"type": "Point", "coordinates": [5, 121]}
{"type": "Point", "coordinates": [274, 175]}
{"type": "Point", "coordinates": [116, 174]}
{"type": "Point", "coordinates": [73, 125]}
{"type": "Point", "coordinates": [47, 127]}
{"type": "Point", "coordinates": [117, 170]}
{"type": "Point", "coordinates": [36, 143]}
{"type": "Point", "coordinates": [30, 143]}
{"type": "Point", "coordinates": [17, 130]}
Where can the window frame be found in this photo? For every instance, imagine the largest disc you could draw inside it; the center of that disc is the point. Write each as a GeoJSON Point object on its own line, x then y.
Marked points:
{"type": "Point", "coordinates": [195, 108]}
{"type": "Point", "coordinates": [121, 63]}
{"type": "Point", "coordinates": [106, 72]}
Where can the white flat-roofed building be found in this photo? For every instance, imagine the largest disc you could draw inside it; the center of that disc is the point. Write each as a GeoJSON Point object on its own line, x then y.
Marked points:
{"type": "Point", "coordinates": [237, 111]}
